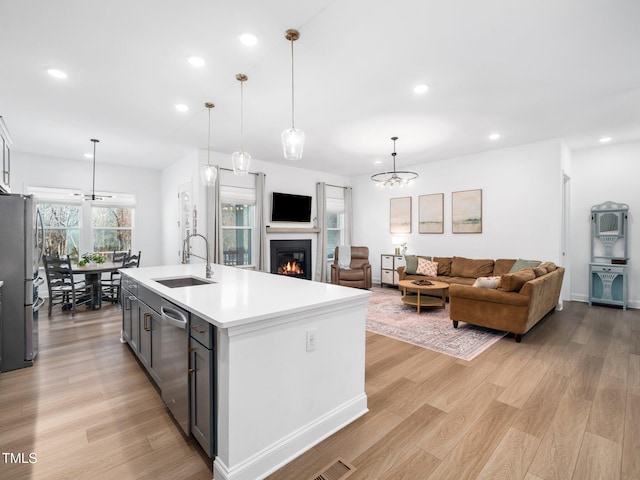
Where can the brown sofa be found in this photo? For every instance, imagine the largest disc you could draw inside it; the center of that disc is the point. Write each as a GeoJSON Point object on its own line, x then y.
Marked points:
{"type": "Point", "coordinates": [519, 301]}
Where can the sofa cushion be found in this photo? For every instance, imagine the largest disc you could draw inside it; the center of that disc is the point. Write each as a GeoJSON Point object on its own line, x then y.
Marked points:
{"type": "Point", "coordinates": [471, 268]}
{"type": "Point", "coordinates": [411, 262]}
{"type": "Point", "coordinates": [520, 264]}
{"type": "Point", "coordinates": [444, 265]}
{"type": "Point", "coordinates": [427, 267]}
{"type": "Point", "coordinates": [486, 282]}
{"type": "Point", "coordinates": [502, 266]}
{"type": "Point", "coordinates": [549, 266]}
{"type": "Point", "coordinates": [539, 271]}
{"type": "Point", "coordinates": [513, 282]}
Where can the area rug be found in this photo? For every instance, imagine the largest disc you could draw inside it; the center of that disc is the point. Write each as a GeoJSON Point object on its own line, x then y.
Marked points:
{"type": "Point", "coordinates": [432, 328]}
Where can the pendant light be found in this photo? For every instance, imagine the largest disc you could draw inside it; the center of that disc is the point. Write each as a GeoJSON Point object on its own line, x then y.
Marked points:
{"type": "Point", "coordinates": [93, 187]}
{"type": "Point", "coordinates": [292, 138]}
{"type": "Point", "coordinates": [209, 172]}
{"type": "Point", "coordinates": [241, 159]}
{"type": "Point", "coordinates": [396, 177]}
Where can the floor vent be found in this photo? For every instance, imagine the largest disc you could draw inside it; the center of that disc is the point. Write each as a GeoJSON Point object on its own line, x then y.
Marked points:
{"type": "Point", "coordinates": [336, 470]}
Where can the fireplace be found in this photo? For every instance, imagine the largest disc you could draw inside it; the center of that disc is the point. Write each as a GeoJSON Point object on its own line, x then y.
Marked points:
{"type": "Point", "coordinates": [291, 258]}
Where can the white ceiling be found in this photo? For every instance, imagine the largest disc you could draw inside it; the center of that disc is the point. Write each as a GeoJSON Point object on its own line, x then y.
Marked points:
{"type": "Point", "coordinates": [529, 69]}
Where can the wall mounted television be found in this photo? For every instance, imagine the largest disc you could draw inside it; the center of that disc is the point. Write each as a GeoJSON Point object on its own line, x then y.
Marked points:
{"type": "Point", "coordinates": [286, 207]}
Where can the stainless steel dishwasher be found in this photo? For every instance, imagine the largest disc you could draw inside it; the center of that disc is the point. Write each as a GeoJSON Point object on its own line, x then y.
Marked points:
{"type": "Point", "coordinates": [174, 360]}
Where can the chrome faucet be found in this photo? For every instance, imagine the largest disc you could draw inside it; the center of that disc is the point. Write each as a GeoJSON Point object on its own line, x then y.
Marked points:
{"type": "Point", "coordinates": [186, 253]}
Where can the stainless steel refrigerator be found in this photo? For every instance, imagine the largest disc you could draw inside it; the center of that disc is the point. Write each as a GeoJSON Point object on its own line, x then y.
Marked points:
{"type": "Point", "coordinates": [21, 243]}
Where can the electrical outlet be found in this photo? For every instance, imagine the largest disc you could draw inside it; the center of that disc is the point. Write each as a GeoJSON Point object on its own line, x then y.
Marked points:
{"type": "Point", "coordinates": [311, 339]}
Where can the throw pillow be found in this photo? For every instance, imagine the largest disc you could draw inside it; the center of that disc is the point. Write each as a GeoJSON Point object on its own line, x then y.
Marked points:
{"type": "Point", "coordinates": [539, 271]}
{"type": "Point", "coordinates": [513, 282]}
{"type": "Point", "coordinates": [425, 267]}
{"type": "Point", "coordinates": [520, 264]}
{"type": "Point", "coordinates": [411, 263]}
{"type": "Point", "coordinates": [486, 282]}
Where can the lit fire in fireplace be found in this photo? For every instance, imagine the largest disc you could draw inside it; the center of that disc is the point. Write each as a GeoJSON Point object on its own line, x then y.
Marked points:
{"type": "Point", "coordinates": [290, 268]}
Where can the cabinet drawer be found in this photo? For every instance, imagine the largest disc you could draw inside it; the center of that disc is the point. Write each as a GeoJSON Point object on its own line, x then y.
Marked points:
{"type": "Point", "coordinates": [398, 261]}
{"type": "Point", "coordinates": [152, 299]}
{"type": "Point", "coordinates": [387, 262]}
{"type": "Point", "coordinates": [129, 284]}
{"type": "Point", "coordinates": [387, 277]}
{"type": "Point", "coordinates": [619, 269]}
{"type": "Point", "coordinates": [202, 331]}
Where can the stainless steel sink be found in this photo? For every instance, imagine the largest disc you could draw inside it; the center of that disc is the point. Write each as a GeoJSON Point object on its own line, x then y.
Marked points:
{"type": "Point", "coordinates": [177, 282]}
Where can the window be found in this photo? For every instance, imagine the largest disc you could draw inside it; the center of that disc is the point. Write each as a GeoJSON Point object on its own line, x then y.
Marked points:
{"type": "Point", "coordinates": [335, 219]}
{"type": "Point", "coordinates": [238, 202]}
{"type": "Point", "coordinates": [335, 228]}
{"type": "Point", "coordinates": [237, 229]}
{"type": "Point", "coordinates": [66, 215]}
{"type": "Point", "coordinates": [62, 227]}
{"type": "Point", "coordinates": [112, 229]}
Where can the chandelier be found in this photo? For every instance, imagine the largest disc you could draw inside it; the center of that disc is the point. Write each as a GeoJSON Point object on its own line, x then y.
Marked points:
{"type": "Point", "coordinates": [396, 177]}
{"type": "Point", "coordinates": [241, 160]}
{"type": "Point", "coordinates": [292, 138]}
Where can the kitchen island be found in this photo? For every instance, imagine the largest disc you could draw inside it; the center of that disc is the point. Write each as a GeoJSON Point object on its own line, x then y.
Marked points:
{"type": "Point", "coordinates": [289, 360]}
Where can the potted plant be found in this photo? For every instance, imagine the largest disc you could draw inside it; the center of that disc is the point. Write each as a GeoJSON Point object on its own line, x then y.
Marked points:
{"type": "Point", "coordinates": [91, 259]}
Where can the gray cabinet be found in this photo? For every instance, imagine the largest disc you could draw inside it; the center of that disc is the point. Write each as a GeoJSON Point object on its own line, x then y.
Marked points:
{"type": "Point", "coordinates": [608, 269]}
{"type": "Point", "coordinates": [130, 312]}
{"type": "Point", "coordinates": [1, 283]}
{"type": "Point", "coordinates": [202, 381]}
{"type": "Point", "coordinates": [389, 268]}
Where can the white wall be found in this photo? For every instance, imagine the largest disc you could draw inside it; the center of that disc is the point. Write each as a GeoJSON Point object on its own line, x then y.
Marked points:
{"type": "Point", "coordinates": [35, 170]}
{"type": "Point", "coordinates": [521, 206]}
{"type": "Point", "coordinates": [279, 178]}
{"type": "Point", "coordinates": [599, 175]}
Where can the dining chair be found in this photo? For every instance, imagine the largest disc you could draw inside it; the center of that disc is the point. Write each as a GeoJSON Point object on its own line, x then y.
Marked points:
{"type": "Point", "coordinates": [110, 285]}
{"type": "Point", "coordinates": [132, 261]}
{"type": "Point", "coordinates": [63, 288]}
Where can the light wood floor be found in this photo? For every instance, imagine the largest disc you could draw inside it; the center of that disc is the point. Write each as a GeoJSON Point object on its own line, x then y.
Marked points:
{"type": "Point", "coordinates": [563, 404]}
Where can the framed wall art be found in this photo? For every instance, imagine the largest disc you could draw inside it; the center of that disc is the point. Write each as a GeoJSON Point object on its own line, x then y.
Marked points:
{"type": "Point", "coordinates": [466, 211]}
{"type": "Point", "coordinates": [431, 213]}
{"type": "Point", "coordinates": [400, 215]}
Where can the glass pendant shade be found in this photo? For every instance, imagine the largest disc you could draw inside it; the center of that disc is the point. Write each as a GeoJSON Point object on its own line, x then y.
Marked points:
{"type": "Point", "coordinates": [293, 143]}
{"type": "Point", "coordinates": [208, 174]}
{"type": "Point", "coordinates": [241, 162]}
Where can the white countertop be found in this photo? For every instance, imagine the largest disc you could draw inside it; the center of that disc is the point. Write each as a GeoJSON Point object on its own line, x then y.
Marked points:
{"type": "Point", "coordinates": [242, 296]}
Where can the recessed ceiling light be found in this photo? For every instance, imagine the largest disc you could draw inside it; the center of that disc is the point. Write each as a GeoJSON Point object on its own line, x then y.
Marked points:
{"type": "Point", "coordinates": [422, 88]}
{"type": "Point", "coordinates": [88, 155]}
{"type": "Point", "coordinates": [248, 39]}
{"type": "Point", "coordinates": [494, 136]}
{"type": "Point", "coordinates": [378, 162]}
{"type": "Point", "coordinates": [54, 72]}
{"type": "Point", "coordinates": [182, 107]}
{"type": "Point", "coordinates": [605, 139]}
{"type": "Point", "coordinates": [196, 61]}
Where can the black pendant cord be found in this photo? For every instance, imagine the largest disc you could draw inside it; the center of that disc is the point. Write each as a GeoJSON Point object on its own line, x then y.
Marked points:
{"type": "Point", "coordinates": [93, 188]}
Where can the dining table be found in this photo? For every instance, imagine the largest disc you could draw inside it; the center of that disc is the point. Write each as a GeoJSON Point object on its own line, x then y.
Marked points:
{"type": "Point", "coordinates": [93, 275]}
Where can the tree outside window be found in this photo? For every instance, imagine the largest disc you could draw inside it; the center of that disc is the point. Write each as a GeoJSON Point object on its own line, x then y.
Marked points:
{"type": "Point", "coordinates": [61, 229]}
{"type": "Point", "coordinates": [237, 226]}
{"type": "Point", "coordinates": [112, 229]}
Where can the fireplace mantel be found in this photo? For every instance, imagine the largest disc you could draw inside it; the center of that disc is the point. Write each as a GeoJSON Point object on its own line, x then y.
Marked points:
{"type": "Point", "coordinates": [292, 230]}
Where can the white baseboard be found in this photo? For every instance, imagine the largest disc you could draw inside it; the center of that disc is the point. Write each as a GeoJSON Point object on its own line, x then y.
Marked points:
{"type": "Point", "coordinates": [286, 449]}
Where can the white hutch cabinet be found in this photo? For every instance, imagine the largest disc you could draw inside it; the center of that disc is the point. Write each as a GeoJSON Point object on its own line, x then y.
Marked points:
{"type": "Point", "coordinates": [609, 267]}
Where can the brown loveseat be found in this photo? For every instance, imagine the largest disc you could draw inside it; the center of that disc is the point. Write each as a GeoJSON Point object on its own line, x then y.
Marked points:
{"type": "Point", "coordinates": [519, 300]}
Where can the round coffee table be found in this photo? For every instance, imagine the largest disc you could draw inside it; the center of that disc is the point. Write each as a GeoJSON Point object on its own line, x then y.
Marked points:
{"type": "Point", "coordinates": [422, 295]}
